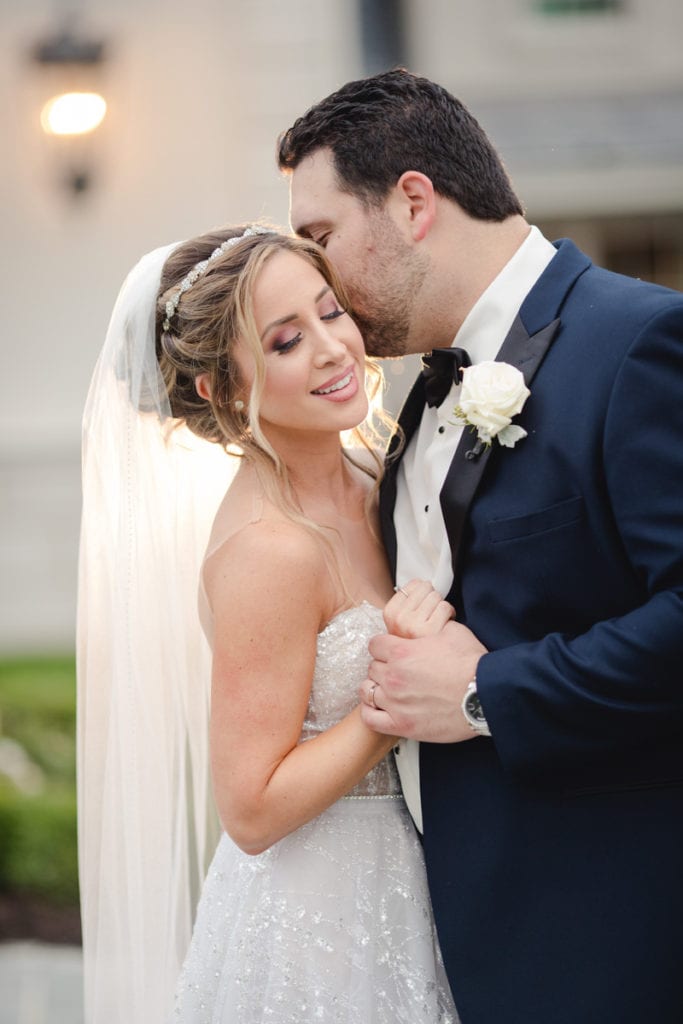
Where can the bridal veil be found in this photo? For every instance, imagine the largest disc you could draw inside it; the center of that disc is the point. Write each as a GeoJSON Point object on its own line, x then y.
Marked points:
{"type": "Point", "coordinates": [147, 826]}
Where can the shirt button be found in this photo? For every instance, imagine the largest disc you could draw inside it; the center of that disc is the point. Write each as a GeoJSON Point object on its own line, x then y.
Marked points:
{"type": "Point", "coordinates": [441, 430]}
{"type": "Point", "coordinates": [426, 508]}
{"type": "Point", "coordinates": [397, 750]}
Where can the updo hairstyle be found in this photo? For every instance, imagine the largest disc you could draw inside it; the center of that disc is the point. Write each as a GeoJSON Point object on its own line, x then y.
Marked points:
{"type": "Point", "coordinates": [210, 317]}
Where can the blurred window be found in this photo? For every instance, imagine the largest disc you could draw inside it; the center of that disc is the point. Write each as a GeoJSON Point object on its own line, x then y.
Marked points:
{"type": "Point", "coordinates": [648, 246]}
{"type": "Point", "coordinates": [650, 259]}
{"type": "Point", "coordinates": [564, 7]}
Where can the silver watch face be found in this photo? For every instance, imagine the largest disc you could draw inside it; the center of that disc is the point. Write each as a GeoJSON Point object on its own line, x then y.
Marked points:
{"type": "Point", "coordinates": [474, 709]}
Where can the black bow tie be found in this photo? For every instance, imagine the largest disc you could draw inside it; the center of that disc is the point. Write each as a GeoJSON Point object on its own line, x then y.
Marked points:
{"type": "Point", "coordinates": [440, 370]}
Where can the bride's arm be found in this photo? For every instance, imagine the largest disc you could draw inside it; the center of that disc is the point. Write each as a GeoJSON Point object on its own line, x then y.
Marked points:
{"type": "Point", "coordinates": [270, 592]}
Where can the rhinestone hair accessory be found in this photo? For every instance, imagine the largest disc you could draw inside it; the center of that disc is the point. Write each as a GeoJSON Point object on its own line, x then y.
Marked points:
{"type": "Point", "coordinates": [199, 269]}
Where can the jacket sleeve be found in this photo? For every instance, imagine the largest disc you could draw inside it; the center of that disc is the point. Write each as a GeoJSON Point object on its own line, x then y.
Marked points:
{"type": "Point", "coordinates": [572, 704]}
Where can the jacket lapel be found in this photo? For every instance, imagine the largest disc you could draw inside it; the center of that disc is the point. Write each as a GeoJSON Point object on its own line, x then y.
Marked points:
{"type": "Point", "coordinates": [526, 353]}
{"type": "Point", "coordinates": [408, 421]}
{"type": "Point", "coordinates": [525, 346]}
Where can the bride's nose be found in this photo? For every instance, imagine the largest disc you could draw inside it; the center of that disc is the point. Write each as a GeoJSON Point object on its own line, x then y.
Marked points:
{"type": "Point", "coordinates": [330, 349]}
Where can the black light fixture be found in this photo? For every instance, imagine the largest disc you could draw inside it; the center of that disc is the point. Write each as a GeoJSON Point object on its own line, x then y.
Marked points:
{"type": "Point", "coordinates": [75, 107]}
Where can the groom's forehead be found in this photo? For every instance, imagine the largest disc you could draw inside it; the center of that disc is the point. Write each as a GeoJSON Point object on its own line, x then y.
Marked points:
{"type": "Point", "coordinates": [314, 192]}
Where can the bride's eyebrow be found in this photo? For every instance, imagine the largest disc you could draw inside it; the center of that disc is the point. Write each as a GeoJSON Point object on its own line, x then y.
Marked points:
{"type": "Point", "coordinates": [292, 316]}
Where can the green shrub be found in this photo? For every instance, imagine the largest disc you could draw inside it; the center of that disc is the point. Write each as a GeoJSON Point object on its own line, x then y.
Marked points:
{"type": "Point", "coordinates": [38, 710]}
{"type": "Point", "coordinates": [38, 851]}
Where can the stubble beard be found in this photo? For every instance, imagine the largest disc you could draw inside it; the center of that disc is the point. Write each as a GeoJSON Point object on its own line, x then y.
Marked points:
{"type": "Point", "coordinates": [384, 313]}
{"type": "Point", "coordinates": [385, 334]}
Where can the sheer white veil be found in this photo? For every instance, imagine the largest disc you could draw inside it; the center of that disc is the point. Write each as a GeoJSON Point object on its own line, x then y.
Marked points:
{"type": "Point", "coordinates": [147, 825]}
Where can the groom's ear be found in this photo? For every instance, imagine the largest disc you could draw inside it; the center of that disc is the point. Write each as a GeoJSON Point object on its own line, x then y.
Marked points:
{"type": "Point", "coordinates": [416, 201]}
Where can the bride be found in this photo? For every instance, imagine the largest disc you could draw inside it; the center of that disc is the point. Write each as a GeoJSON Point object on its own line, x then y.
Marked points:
{"type": "Point", "coordinates": [315, 904]}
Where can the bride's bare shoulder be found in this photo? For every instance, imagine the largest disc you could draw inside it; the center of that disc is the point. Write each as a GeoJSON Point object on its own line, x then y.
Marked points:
{"type": "Point", "coordinates": [244, 511]}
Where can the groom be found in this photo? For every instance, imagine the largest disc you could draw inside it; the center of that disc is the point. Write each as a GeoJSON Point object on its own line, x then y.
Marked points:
{"type": "Point", "coordinates": [551, 714]}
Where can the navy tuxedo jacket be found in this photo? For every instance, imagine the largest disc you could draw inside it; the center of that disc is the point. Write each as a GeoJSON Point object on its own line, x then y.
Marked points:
{"type": "Point", "coordinates": [555, 850]}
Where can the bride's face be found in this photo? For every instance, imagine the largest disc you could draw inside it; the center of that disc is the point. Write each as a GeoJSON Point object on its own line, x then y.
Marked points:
{"type": "Point", "coordinates": [313, 351]}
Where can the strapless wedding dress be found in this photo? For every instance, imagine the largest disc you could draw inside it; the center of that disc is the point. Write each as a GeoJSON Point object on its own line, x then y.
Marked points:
{"type": "Point", "coordinates": [333, 923]}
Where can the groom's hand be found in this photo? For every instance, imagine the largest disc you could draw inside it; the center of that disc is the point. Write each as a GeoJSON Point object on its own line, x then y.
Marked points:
{"type": "Point", "coordinates": [415, 688]}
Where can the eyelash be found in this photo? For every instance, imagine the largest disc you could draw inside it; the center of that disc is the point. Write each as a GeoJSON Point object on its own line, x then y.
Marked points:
{"type": "Point", "coordinates": [334, 314]}
{"type": "Point", "coordinates": [281, 347]}
{"type": "Point", "coordinates": [285, 346]}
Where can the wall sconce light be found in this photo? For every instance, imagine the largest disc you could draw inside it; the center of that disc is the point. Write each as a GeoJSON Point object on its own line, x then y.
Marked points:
{"type": "Point", "coordinates": [73, 113]}
{"type": "Point", "coordinates": [76, 107]}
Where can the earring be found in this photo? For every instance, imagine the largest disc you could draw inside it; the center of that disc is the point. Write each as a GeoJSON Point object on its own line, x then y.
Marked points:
{"type": "Point", "coordinates": [239, 405]}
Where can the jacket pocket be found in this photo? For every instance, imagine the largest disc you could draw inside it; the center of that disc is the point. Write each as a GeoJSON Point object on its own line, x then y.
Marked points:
{"type": "Point", "coordinates": [564, 513]}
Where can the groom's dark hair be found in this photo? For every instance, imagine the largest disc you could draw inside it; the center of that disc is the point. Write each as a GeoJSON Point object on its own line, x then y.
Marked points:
{"type": "Point", "coordinates": [379, 127]}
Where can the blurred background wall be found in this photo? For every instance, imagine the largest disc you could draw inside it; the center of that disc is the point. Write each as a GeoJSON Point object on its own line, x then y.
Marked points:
{"type": "Point", "coordinates": [583, 98]}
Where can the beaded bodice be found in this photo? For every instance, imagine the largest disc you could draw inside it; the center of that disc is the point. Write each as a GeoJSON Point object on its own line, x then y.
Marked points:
{"type": "Point", "coordinates": [341, 666]}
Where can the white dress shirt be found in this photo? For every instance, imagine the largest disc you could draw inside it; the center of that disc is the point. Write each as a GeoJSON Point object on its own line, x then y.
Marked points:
{"type": "Point", "coordinates": [422, 543]}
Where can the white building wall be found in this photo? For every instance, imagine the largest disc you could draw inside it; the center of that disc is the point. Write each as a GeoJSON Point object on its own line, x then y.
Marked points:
{"type": "Point", "coordinates": [591, 86]}
{"type": "Point", "coordinates": [198, 94]}
{"type": "Point", "coordinates": [507, 48]}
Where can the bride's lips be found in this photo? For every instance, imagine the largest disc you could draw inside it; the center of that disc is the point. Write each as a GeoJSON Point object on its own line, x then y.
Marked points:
{"type": "Point", "coordinates": [340, 387]}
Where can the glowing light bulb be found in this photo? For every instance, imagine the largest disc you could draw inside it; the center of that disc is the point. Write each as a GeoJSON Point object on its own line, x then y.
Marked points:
{"type": "Point", "coordinates": [73, 113]}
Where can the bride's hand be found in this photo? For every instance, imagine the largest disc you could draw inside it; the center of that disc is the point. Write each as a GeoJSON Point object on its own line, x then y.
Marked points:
{"type": "Point", "coordinates": [417, 610]}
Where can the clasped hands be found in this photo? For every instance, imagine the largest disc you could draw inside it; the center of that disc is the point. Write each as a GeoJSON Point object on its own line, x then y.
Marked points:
{"type": "Point", "coordinates": [420, 669]}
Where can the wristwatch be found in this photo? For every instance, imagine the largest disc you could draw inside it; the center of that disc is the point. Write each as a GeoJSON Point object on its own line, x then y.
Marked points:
{"type": "Point", "coordinates": [473, 711]}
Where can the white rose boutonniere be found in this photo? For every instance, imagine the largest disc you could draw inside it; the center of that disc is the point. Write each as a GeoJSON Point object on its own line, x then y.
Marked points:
{"type": "Point", "coordinates": [491, 394]}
